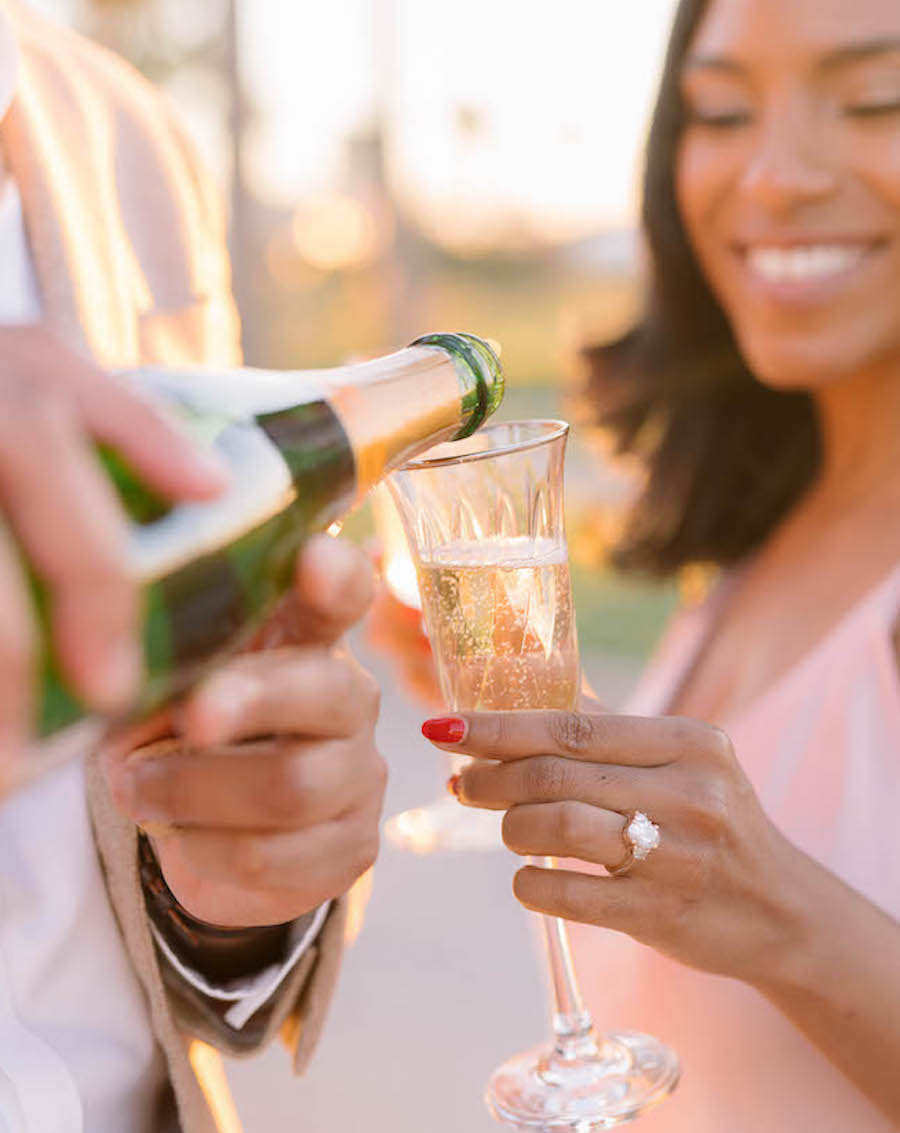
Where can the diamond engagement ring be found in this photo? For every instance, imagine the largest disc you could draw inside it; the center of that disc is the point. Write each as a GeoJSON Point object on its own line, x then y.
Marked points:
{"type": "Point", "coordinates": [641, 837]}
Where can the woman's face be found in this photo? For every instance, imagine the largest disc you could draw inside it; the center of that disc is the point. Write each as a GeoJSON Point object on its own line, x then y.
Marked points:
{"type": "Point", "coordinates": [788, 181]}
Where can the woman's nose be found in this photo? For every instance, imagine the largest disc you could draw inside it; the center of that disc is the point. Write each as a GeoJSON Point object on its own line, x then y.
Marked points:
{"type": "Point", "coordinates": [791, 165]}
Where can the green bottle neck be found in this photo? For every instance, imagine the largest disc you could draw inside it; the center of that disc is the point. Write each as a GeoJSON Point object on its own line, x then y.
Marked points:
{"type": "Point", "coordinates": [441, 388]}
{"type": "Point", "coordinates": [479, 373]}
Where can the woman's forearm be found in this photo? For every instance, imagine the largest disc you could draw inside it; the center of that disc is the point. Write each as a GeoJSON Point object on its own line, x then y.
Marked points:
{"type": "Point", "coordinates": [839, 983]}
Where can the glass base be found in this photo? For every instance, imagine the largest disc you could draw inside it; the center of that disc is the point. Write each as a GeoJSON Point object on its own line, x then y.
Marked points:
{"type": "Point", "coordinates": [445, 825]}
{"type": "Point", "coordinates": [630, 1074]}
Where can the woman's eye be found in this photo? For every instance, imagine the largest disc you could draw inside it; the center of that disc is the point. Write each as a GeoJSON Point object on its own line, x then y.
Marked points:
{"type": "Point", "coordinates": [717, 119]}
{"type": "Point", "coordinates": [874, 108]}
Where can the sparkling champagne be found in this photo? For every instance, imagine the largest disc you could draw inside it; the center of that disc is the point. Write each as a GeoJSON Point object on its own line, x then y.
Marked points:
{"type": "Point", "coordinates": [500, 614]}
{"type": "Point", "coordinates": [301, 449]}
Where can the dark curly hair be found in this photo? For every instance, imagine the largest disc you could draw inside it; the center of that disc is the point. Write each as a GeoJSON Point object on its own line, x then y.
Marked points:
{"type": "Point", "coordinates": [725, 457]}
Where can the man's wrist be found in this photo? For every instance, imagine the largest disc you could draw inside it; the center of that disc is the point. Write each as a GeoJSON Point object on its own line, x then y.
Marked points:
{"type": "Point", "coordinates": [221, 954]}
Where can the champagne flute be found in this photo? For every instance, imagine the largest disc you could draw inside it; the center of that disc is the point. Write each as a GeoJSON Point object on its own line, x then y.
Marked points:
{"type": "Point", "coordinates": [484, 519]}
{"type": "Point", "coordinates": [441, 824]}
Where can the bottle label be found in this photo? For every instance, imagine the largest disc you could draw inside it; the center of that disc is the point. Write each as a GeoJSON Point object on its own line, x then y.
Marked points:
{"type": "Point", "coordinates": [232, 395]}
{"type": "Point", "coordinates": [259, 487]}
{"type": "Point", "coordinates": [241, 395]}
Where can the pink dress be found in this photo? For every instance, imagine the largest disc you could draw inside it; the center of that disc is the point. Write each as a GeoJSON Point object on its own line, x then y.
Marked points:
{"type": "Point", "coordinates": [822, 748]}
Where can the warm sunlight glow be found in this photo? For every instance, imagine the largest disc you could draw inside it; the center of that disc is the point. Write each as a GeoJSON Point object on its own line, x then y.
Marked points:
{"type": "Point", "coordinates": [357, 902]}
{"type": "Point", "coordinates": [400, 575]}
{"type": "Point", "coordinates": [509, 124]}
{"type": "Point", "coordinates": [415, 830]}
{"type": "Point", "coordinates": [207, 1066]}
{"type": "Point", "coordinates": [334, 231]}
{"type": "Point", "coordinates": [396, 563]}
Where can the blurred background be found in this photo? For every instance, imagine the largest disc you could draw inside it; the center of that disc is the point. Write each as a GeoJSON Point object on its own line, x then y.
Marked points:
{"type": "Point", "coordinates": [393, 167]}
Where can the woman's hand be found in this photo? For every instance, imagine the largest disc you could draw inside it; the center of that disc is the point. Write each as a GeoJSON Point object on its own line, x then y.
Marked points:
{"type": "Point", "coordinates": [268, 802]}
{"type": "Point", "coordinates": [61, 510]}
{"type": "Point", "coordinates": [724, 891]}
{"type": "Point", "coordinates": [716, 894]}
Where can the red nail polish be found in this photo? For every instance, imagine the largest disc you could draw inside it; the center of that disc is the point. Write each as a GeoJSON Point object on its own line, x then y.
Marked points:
{"type": "Point", "coordinates": [453, 785]}
{"type": "Point", "coordinates": [444, 730]}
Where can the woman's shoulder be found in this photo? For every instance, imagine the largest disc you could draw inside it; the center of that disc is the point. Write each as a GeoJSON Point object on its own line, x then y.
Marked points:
{"type": "Point", "coordinates": [679, 643]}
{"type": "Point", "coordinates": [871, 622]}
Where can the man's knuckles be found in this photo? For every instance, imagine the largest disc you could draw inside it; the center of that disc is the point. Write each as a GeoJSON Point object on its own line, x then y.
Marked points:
{"type": "Point", "coordinates": [331, 856]}
{"type": "Point", "coordinates": [302, 787]}
{"type": "Point", "coordinates": [335, 581]}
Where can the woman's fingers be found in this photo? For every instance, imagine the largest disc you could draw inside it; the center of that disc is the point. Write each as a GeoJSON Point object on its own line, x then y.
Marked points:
{"type": "Point", "coordinates": [549, 778]}
{"type": "Point", "coordinates": [565, 830]}
{"type": "Point", "coordinates": [618, 903]}
{"type": "Point", "coordinates": [594, 738]}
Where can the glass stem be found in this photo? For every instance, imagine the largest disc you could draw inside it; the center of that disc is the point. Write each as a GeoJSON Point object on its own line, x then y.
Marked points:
{"type": "Point", "coordinates": [573, 1027]}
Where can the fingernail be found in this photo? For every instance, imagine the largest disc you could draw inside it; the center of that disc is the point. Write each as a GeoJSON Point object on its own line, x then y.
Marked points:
{"type": "Point", "coordinates": [453, 785]}
{"type": "Point", "coordinates": [445, 730]}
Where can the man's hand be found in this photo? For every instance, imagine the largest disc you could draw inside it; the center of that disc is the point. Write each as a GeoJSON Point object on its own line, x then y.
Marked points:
{"type": "Point", "coordinates": [269, 802]}
{"type": "Point", "coordinates": [57, 504]}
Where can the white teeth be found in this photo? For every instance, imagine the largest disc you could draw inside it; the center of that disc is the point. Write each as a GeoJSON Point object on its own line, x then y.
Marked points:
{"type": "Point", "coordinates": [810, 262]}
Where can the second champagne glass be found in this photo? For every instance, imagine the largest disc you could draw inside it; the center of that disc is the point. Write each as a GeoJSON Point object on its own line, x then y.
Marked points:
{"type": "Point", "coordinates": [484, 518]}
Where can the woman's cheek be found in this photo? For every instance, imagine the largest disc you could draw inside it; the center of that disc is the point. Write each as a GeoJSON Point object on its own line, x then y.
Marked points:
{"type": "Point", "coordinates": [698, 185]}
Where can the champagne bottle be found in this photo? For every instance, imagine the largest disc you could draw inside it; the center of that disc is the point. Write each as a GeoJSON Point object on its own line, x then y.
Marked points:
{"type": "Point", "coordinates": [302, 448]}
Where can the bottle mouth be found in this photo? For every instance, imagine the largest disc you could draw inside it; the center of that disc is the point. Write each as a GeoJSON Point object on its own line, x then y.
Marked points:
{"type": "Point", "coordinates": [492, 441]}
{"type": "Point", "coordinates": [481, 360]}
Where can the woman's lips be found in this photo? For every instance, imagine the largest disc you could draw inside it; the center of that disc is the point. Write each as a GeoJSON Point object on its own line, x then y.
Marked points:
{"type": "Point", "coordinates": [804, 272]}
{"type": "Point", "coordinates": [803, 263]}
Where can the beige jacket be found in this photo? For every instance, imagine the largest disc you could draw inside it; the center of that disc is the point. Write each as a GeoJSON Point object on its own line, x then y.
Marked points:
{"type": "Point", "coordinates": [128, 241]}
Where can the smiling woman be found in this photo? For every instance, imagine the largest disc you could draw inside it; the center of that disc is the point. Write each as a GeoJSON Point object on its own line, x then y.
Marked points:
{"type": "Point", "coordinates": [789, 185]}
{"type": "Point", "coordinates": [762, 391]}
{"type": "Point", "coordinates": [772, 212]}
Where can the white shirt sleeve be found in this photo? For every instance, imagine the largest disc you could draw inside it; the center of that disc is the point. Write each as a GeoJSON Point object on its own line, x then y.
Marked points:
{"type": "Point", "coordinates": [250, 993]}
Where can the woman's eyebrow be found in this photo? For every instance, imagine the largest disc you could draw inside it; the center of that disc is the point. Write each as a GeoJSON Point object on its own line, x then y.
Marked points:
{"type": "Point", "coordinates": [859, 52]}
{"type": "Point", "coordinates": [831, 60]}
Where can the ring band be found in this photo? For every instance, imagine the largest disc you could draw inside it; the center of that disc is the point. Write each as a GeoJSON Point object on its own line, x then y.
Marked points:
{"type": "Point", "coordinates": [640, 836]}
